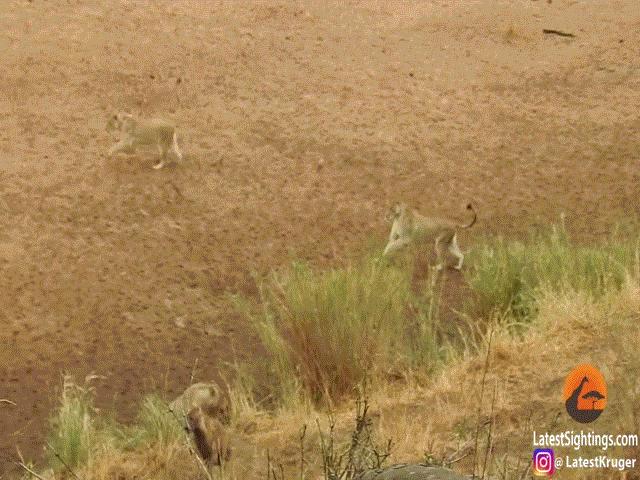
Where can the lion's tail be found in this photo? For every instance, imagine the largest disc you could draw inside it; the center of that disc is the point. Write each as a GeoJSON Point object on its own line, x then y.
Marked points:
{"type": "Point", "coordinates": [473, 220]}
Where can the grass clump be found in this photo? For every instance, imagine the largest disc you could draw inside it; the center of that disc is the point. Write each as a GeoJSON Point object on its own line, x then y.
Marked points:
{"type": "Point", "coordinates": [83, 443]}
{"type": "Point", "coordinates": [327, 330]}
{"type": "Point", "coordinates": [508, 276]}
{"type": "Point", "coordinates": [73, 433]}
{"type": "Point", "coordinates": [156, 423]}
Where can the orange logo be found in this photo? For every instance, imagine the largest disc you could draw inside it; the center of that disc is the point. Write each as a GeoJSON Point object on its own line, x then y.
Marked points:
{"type": "Point", "coordinates": [585, 393]}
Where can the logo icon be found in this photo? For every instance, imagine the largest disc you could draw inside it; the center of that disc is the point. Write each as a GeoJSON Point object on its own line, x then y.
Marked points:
{"type": "Point", "coordinates": [585, 393]}
{"type": "Point", "coordinates": [544, 462]}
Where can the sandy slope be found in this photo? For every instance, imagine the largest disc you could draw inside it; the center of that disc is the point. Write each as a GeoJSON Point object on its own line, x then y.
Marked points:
{"type": "Point", "coordinates": [301, 123]}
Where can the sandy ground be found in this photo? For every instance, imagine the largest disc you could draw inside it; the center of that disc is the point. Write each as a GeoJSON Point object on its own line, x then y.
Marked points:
{"type": "Point", "coordinates": [301, 123]}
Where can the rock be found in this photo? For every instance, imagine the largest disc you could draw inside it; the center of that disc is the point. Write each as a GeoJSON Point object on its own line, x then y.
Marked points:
{"type": "Point", "coordinates": [410, 472]}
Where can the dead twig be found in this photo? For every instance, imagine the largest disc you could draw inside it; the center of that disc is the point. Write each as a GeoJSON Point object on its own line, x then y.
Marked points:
{"type": "Point", "coordinates": [302, 435]}
{"type": "Point", "coordinates": [323, 450]}
{"type": "Point", "coordinates": [193, 371]}
{"type": "Point", "coordinates": [448, 463]}
{"type": "Point", "coordinates": [525, 474]}
{"type": "Point", "coordinates": [268, 465]}
{"type": "Point", "coordinates": [29, 471]}
{"type": "Point", "coordinates": [190, 445]}
{"type": "Point", "coordinates": [362, 452]}
{"type": "Point", "coordinates": [479, 412]}
{"type": "Point", "coordinates": [488, 450]}
{"type": "Point", "coordinates": [57, 455]}
{"type": "Point", "coordinates": [463, 452]}
{"type": "Point", "coordinates": [551, 31]}
{"type": "Point", "coordinates": [271, 471]}
{"type": "Point", "coordinates": [4, 400]}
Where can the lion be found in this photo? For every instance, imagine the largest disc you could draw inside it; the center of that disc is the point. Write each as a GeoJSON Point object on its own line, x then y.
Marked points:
{"type": "Point", "coordinates": [149, 132]}
{"type": "Point", "coordinates": [410, 227]}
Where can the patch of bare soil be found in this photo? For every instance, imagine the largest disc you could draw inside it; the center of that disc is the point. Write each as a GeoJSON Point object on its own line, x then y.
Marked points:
{"type": "Point", "coordinates": [301, 123]}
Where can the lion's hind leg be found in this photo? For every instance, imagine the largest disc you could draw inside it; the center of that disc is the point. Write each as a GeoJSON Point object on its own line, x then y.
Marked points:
{"type": "Point", "coordinates": [454, 250]}
{"type": "Point", "coordinates": [163, 156]}
{"type": "Point", "coordinates": [440, 253]}
{"type": "Point", "coordinates": [175, 149]}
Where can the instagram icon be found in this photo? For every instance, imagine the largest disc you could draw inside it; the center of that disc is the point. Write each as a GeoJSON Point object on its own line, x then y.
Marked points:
{"type": "Point", "coordinates": [544, 462]}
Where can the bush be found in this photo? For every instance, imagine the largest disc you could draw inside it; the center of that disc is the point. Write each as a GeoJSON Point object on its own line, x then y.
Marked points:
{"type": "Point", "coordinates": [327, 330]}
{"type": "Point", "coordinates": [157, 424]}
{"type": "Point", "coordinates": [73, 434]}
{"type": "Point", "coordinates": [507, 276]}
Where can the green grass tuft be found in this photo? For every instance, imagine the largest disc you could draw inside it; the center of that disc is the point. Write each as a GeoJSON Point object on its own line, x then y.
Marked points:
{"type": "Point", "coordinates": [327, 330]}
{"type": "Point", "coordinates": [508, 276]}
{"type": "Point", "coordinates": [156, 423]}
{"type": "Point", "coordinates": [73, 434]}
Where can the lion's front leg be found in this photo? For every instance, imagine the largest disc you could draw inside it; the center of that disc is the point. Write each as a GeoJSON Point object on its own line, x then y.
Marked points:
{"type": "Point", "coordinates": [124, 145]}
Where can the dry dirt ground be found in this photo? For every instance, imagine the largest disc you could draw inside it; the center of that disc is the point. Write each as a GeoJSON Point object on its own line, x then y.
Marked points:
{"type": "Point", "coordinates": [301, 123]}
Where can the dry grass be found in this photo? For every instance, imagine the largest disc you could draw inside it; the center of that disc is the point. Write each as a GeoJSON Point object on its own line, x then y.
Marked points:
{"type": "Point", "coordinates": [477, 413]}
{"type": "Point", "coordinates": [437, 421]}
{"type": "Point", "coordinates": [509, 276]}
{"type": "Point", "coordinates": [328, 331]}
{"type": "Point", "coordinates": [528, 374]}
